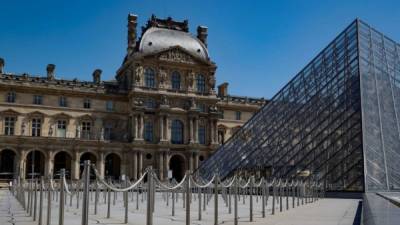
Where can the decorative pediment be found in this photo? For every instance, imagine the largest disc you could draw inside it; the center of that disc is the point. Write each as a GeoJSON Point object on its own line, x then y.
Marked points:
{"type": "Point", "coordinates": [177, 55]}
{"type": "Point", "coordinates": [9, 112]}
{"type": "Point", "coordinates": [37, 114]}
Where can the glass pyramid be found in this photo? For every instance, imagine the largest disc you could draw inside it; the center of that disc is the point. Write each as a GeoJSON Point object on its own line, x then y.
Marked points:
{"type": "Point", "coordinates": [337, 121]}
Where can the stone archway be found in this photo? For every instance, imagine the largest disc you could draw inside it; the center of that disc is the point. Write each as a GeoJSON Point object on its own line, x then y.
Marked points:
{"type": "Point", "coordinates": [62, 160]}
{"type": "Point", "coordinates": [8, 164]}
{"type": "Point", "coordinates": [112, 167]}
{"type": "Point", "coordinates": [86, 156]}
{"type": "Point", "coordinates": [35, 164]}
{"type": "Point", "coordinates": [177, 166]}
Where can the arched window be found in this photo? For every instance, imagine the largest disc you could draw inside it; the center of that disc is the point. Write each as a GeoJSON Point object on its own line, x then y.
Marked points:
{"type": "Point", "coordinates": [201, 83]}
{"type": "Point", "coordinates": [202, 135]}
{"type": "Point", "coordinates": [149, 77]}
{"type": "Point", "coordinates": [176, 80]}
{"type": "Point", "coordinates": [148, 131]}
{"type": "Point", "coordinates": [177, 132]}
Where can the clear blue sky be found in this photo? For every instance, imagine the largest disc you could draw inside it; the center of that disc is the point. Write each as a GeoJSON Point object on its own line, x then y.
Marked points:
{"type": "Point", "coordinates": [257, 45]}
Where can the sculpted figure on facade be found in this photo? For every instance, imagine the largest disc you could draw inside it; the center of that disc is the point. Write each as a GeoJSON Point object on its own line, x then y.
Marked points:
{"type": "Point", "coordinates": [190, 79]}
{"type": "Point", "coordinates": [138, 74]}
{"type": "Point", "coordinates": [211, 82]}
{"type": "Point", "coordinates": [163, 77]}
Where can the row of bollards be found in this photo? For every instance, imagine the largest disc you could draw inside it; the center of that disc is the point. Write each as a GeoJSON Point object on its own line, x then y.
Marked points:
{"type": "Point", "coordinates": [232, 191]}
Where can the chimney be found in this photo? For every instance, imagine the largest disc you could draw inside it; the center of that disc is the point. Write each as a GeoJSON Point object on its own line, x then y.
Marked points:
{"type": "Point", "coordinates": [97, 76]}
{"type": "Point", "coordinates": [2, 65]}
{"type": "Point", "coordinates": [132, 24]}
{"type": "Point", "coordinates": [223, 89]}
{"type": "Point", "coordinates": [202, 34]}
{"type": "Point", "coordinates": [50, 71]}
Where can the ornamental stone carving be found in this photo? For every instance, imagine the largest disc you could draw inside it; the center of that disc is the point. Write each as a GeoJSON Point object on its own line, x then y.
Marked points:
{"type": "Point", "coordinates": [211, 82]}
{"type": "Point", "coordinates": [190, 79]}
{"type": "Point", "coordinates": [138, 74]}
{"type": "Point", "coordinates": [163, 77]}
{"type": "Point", "coordinates": [176, 55]}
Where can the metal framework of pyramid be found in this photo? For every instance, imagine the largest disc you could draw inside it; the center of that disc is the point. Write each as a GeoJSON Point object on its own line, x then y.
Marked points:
{"type": "Point", "coordinates": [336, 121]}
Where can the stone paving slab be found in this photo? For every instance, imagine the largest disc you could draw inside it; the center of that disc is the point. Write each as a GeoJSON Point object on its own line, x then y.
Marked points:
{"type": "Point", "coordinates": [324, 211]}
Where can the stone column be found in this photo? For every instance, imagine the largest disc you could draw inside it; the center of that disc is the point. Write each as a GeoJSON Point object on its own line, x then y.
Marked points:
{"type": "Point", "coordinates": [22, 161]}
{"type": "Point", "coordinates": [191, 161]}
{"type": "Point", "coordinates": [166, 164]}
{"type": "Point", "coordinates": [161, 128]}
{"type": "Point", "coordinates": [196, 130]}
{"type": "Point", "coordinates": [168, 127]}
{"type": "Point", "coordinates": [140, 163]}
{"type": "Point", "coordinates": [124, 164]}
{"type": "Point", "coordinates": [49, 164]}
{"type": "Point", "coordinates": [100, 164]}
{"type": "Point", "coordinates": [141, 127]}
{"type": "Point", "coordinates": [134, 166]}
{"type": "Point", "coordinates": [75, 166]}
{"type": "Point", "coordinates": [215, 132]}
{"type": "Point", "coordinates": [136, 134]}
{"type": "Point", "coordinates": [191, 130]}
{"type": "Point", "coordinates": [196, 160]}
{"type": "Point", "coordinates": [161, 165]}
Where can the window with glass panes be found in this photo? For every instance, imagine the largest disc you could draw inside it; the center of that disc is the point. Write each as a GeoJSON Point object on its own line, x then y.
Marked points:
{"type": "Point", "coordinates": [177, 132]}
{"type": "Point", "coordinates": [36, 127]}
{"type": "Point", "coordinates": [86, 127]}
{"type": "Point", "coordinates": [11, 97]}
{"type": "Point", "coordinates": [176, 80]}
{"type": "Point", "coordinates": [9, 124]}
{"type": "Point", "coordinates": [110, 106]}
{"type": "Point", "coordinates": [62, 101]}
{"type": "Point", "coordinates": [37, 99]}
{"type": "Point", "coordinates": [202, 134]}
{"type": "Point", "coordinates": [87, 103]}
{"type": "Point", "coordinates": [61, 128]}
{"type": "Point", "coordinates": [149, 78]}
{"type": "Point", "coordinates": [201, 83]}
{"type": "Point", "coordinates": [148, 131]}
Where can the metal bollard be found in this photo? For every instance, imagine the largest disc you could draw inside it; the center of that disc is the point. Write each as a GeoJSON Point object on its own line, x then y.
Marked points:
{"type": "Point", "coordinates": [287, 194]}
{"type": "Point", "coordinates": [149, 212]}
{"type": "Point", "coordinates": [126, 200]}
{"type": "Point", "coordinates": [108, 203]}
{"type": "Point", "coordinates": [85, 200]}
{"type": "Point", "coordinates": [263, 186]}
{"type": "Point", "coordinates": [230, 200]}
{"type": "Point", "coordinates": [96, 197]}
{"type": "Point", "coordinates": [49, 203]}
{"type": "Point", "coordinates": [273, 196]}
{"type": "Point", "coordinates": [173, 203]}
{"type": "Point", "coordinates": [35, 202]}
{"type": "Point", "coordinates": [137, 197]}
{"type": "Point", "coordinates": [41, 201]}
{"type": "Point", "coordinates": [216, 200]}
{"type": "Point", "coordinates": [235, 200]}
{"type": "Point", "coordinates": [62, 198]}
{"type": "Point", "coordinates": [251, 197]}
{"type": "Point", "coordinates": [187, 197]}
{"type": "Point", "coordinates": [199, 198]}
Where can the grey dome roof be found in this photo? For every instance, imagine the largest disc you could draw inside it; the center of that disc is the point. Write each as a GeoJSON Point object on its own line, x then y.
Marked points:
{"type": "Point", "coordinates": [157, 39]}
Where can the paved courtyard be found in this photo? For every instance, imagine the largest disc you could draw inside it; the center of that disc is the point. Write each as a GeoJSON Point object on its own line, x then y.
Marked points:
{"type": "Point", "coordinates": [324, 211]}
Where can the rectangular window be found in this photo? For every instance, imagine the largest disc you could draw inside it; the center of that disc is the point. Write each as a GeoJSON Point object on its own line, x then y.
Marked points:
{"type": "Point", "coordinates": [62, 101]}
{"type": "Point", "coordinates": [238, 115]}
{"type": "Point", "coordinates": [11, 97]}
{"type": "Point", "coordinates": [148, 131]}
{"type": "Point", "coordinates": [150, 103]}
{"type": "Point", "coordinates": [9, 124]}
{"type": "Point", "coordinates": [37, 99]}
{"type": "Point", "coordinates": [110, 106]}
{"type": "Point", "coordinates": [86, 127]}
{"type": "Point", "coordinates": [61, 128]}
{"type": "Point", "coordinates": [201, 107]}
{"type": "Point", "coordinates": [202, 135]}
{"type": "Point", "coordinates": [36, 127]}
{"type": "Point", "coordinates": [108, 132]}
{"type": "Point", "coordinates": [86, 103]}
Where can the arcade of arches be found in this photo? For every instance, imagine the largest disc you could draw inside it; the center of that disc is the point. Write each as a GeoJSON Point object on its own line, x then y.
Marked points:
{"type": "Point", "coordinates": [35, 163]}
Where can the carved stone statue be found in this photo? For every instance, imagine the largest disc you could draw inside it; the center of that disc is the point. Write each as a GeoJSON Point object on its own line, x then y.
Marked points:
{"type": "Point", "coordinates": [164, 100]}
{"type": "Point", "coordinates": [51, 131]}
{"type": "Point", "coordinates": [193, 103]}
{"type": "Point", "coordinates": [23, 126]}
{"type": "Point", "coordinates": [78, 131]}
{"type": "Point", "coordinates": [163, 77]}
{"type": "Point", "coordinates": [102, 134]}
{"type": "Point", "coordinates": [213, 108]}
{"type": "Point", "coordinates": [190, 79]}
{"type": "Point", "coordinates": [138, 74]}
{"type": "Point", "coordinates": [138, 102]}
{"type": "Point", "coordinates": [211, 82]}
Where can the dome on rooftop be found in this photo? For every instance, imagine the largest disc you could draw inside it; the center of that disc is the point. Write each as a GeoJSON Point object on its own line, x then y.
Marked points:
{"type": "Point", "coordinates": [156, 39]}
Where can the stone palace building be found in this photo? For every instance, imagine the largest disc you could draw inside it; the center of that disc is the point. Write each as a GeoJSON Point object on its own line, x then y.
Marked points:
{"type": "Point", "coordinates": [162, 110]}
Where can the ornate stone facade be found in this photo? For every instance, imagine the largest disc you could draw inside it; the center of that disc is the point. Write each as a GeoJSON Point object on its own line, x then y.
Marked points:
{"type": "Point", "coordinates": [161, 111]}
